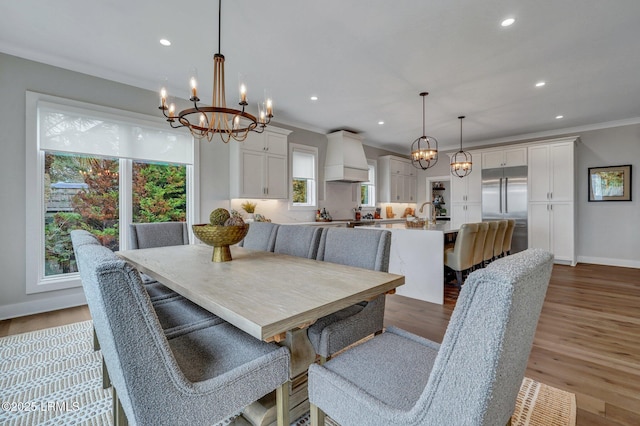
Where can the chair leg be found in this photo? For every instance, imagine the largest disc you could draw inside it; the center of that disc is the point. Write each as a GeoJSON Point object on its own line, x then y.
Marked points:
{"type": "Point", "coordinates": [459, 279]}
{"type": "Point", "coordinates": [106, 380]}
{"type": "Point", "coordinates": [282, 404]}
{"type": "Point", "coordinates": [323, 360]}
{"type": "Point", "coordinates": [119, 417]}
{"type": "Point", "coordinates": [96, 344]}
{"type": "Point", "coordinates": [317, 415]}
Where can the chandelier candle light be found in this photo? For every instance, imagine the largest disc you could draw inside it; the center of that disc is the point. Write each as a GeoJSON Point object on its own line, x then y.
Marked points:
{"type": "Point", "coordinates": [205, 121]}
{"type": "Point", "coordinates": [461, 162]}
{"type": "Point", "coordinates": [424, 150]}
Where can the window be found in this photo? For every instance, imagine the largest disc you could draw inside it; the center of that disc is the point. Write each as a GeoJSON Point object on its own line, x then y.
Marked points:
{"type": "Point", "coordinates": [97, 169]}
{"type": "Point", "coordinates": [304, 176]}
{"type": "Point", "coordinates": [368, 188]}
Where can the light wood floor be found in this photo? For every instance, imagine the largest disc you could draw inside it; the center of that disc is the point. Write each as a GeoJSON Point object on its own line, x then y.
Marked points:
{"type": "Point", "coordinates": [587, 341]}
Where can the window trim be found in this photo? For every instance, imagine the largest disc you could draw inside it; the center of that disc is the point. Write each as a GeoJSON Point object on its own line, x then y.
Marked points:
{"type": "Point", "coordinates": [306, 149]}
{"type": "Point", "coordinates": [36, 281]}
{"type": "Point", "coordinates": [374, 164]}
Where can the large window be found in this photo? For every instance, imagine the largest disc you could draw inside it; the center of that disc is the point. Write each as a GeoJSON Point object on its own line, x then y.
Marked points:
{"type": "Point", "coordinates": [368, 188]}
{"type": "Point", "coordinates": [304, 176]}
{"type": "Point", "coordinates": [97, 169]}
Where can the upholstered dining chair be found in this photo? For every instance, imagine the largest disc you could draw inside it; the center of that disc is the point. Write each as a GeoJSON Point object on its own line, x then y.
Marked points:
{"type": "Point", "coordinates": [261, 236]}
{"type": "Point", "coordinates": [459, 258]}
{"type": "Point", "coordinates": [298, 240]}
{"type": "Point", "coordinates": [472, 378]}
{"type": "Point", "coordinates": [499, 240]}
{"type": "Point", "coordinates": [362, 248]}
{"type": "Point", "coordinates": [489, 241]}
{"type": "Point", "coordinates": [508, 237]}
{"type": "Point", "coordinates": [158, 234]}
{"type": "Point", "coordinates": [478, 246]}
{"type": "Point", "coordinates": [198, 378]}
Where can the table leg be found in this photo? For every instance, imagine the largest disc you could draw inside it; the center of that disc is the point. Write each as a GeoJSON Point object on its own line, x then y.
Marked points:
{"type": "Point", "coordinates": [263, 412]}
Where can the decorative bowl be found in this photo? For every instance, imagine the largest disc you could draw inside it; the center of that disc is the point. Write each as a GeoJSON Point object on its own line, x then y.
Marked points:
{"type": "Point", "coordinates": [220, 238]}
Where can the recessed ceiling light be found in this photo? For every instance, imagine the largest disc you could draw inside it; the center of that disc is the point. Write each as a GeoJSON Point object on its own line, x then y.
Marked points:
{"type": "Point", "coordinates": [558, 117]}
{"type": "Point", "coordinates": [508, 22]}
{"type": "Point", "coordinates": [540, 83]}
{"type": "Point", "coordinates": [165, 42]}
{"type": "Point", "coordinates": [381, 122]}
{"type": "Point", "coordinates": [314, 98]}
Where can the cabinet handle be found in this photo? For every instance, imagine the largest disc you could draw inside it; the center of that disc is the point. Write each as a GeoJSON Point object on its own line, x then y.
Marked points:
{"type": "Point", "coordinates": [551, 195]}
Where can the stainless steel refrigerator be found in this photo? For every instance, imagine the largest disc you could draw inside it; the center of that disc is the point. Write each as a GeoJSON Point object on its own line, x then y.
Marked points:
{"type": "Point", "coordinates": [504, 196]}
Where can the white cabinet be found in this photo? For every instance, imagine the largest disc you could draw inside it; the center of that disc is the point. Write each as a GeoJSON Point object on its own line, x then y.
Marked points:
{"type": "Point", "coordinates": [551, 208]}
{"type": "Point", "coordinates": [397, 179]}
{"type": "Point", "coordinates": [258, 166]}
{"type": "Point", "coordinates": [466, 197]}
{"type": "Point", "coordinates": [510, 157]}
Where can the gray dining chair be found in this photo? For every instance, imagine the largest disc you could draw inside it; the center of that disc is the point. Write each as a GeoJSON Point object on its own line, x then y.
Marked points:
{"type": "Point", "coordinates": [198, 378]}
{"type": "Point", "coordinates": [472, 378]}
{"type": "Point", "coordinates": [261, 236]}
{"type": "Point", "coordinates": [158, 234]}
{"type": "Point", "coordinates": [298, 240]}
{"type": "Point", "coordinates": [362, 248]}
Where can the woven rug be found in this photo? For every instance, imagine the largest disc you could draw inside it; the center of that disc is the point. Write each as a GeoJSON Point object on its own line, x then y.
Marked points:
{"type": "Point", "coordinates": [54, 377]}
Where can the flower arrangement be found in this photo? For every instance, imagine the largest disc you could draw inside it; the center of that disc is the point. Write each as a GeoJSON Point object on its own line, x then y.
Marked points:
{"type": "Point", "coordinates": [249, 207]}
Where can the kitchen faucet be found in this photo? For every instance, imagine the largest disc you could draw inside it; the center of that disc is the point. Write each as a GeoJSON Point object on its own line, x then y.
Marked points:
{"type": "Point", "coordinates": [433, 211]}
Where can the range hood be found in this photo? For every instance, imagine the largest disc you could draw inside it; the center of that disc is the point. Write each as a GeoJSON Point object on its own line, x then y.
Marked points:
{"type": "Point", "coordinates": [345, 160]}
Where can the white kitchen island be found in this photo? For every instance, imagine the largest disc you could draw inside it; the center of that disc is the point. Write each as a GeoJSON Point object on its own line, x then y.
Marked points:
{"type": "Point", "coordinates": [418, 254]}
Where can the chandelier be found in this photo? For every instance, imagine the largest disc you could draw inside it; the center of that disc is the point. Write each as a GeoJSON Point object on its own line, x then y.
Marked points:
{"type": "Point", "coordinates": [424, 150]}
{"type": "Point", "coordinates": [461, 162]}
{"type": "Point", "coordinates": [205, 121]}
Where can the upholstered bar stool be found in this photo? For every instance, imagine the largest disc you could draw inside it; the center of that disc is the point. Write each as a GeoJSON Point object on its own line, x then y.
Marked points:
{"type": "Point", "coordinates": [460, 257]}
{"type": "Point", "coordinates": [499, 240]}
{"type": "Point", "coordinates": [508, 236]}
{"type": "Point", "coordinates": [478, 247]}
{"type": "Point", "coordinates": [489, 242]}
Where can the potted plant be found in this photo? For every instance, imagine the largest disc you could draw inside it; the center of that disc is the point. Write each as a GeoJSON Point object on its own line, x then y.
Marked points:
{"type": "Point", "coordinates": [250, 208]}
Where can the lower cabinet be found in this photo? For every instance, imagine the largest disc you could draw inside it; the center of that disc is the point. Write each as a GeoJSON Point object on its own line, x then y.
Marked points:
{"type": "Point", "coordinates": [551, 227]}
{"type": "Point", "coordinates": [465, 213]}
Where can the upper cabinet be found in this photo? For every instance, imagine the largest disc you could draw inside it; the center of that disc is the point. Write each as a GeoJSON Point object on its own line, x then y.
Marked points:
{"type": "Point", "coordinates": [258, 166]}
{"type": "Point", "coordinates": [551, 172]}
{"type": "Point", "coordinates": [397, 180]}
{"type": "Point", "coordinates": [510, 157]}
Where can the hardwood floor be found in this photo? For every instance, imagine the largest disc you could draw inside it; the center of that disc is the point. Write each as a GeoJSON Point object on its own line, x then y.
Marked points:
{"type": "Point", "coordinates": [587, 341]}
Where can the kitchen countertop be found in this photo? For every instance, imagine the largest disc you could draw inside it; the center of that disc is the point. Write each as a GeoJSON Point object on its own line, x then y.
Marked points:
{"type": "Point", "coordinates": [370, 222]}
{"type": "Point", "coordinates": [444, 227]}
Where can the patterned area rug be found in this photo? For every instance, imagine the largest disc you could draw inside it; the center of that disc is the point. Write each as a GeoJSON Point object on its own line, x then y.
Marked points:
{"type": "Point", "coordinates": [54, 377]}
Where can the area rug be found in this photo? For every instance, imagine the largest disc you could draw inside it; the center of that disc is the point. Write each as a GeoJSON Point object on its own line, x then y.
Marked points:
{"type": "Point", "coordinates": [54, 377]}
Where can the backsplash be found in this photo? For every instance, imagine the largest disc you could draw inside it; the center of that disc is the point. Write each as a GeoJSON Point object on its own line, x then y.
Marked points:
{"type": "Point", "coordinates": [340, 201]}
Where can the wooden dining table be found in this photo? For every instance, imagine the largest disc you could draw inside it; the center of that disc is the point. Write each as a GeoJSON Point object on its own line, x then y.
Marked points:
{"type": "Point", "coordinates": [273, 297]}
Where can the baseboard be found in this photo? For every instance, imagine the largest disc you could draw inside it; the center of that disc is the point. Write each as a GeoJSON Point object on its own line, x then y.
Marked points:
{"type": "Point", "coordinates": [43, 305]}
{"type": "Point", "coordinates": [625, 263]}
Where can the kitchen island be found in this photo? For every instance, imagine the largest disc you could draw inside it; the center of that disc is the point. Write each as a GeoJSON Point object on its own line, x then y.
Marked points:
{"type": "Point", "coordinates": [418, 254]}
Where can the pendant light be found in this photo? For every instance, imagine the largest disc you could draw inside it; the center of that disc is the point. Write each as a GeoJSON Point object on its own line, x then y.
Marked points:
{"type": "Point", "coordinates": [424, 150]}
{"type": "Point", "coordinates": [461, 162]}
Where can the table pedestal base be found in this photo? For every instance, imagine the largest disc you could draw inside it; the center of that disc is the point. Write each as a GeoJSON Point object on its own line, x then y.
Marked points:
{"type": "Point", "coordinates": [263, 411]}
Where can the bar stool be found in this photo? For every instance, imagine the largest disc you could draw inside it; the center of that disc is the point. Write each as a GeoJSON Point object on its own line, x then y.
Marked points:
{"type": "Point", "coordinates": [508, 236]}
{"type": "Point", "coordinates": [478, 249]}
{"type": "Point", "coordinates": [460, 257]}
{"type": "Point", "coordinates": [499, 240]}
{"type": "Point", "coordinates": [489, 241]}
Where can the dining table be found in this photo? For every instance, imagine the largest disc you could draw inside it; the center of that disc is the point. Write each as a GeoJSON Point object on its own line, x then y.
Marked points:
{"type": "Point", "coordinates": [273, 297]}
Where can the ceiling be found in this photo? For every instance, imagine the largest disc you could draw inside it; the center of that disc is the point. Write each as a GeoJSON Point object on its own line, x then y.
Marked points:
{"type": "Point", "coordinates": [365, 60]}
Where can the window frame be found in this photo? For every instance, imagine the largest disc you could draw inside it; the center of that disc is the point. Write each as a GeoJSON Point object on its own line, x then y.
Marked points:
{"type": "Point", "coordinates": [36, 281]}
{"type": "Point", "coordinates": [371, 186]}
{"type": "Point", "coordinates": [310, 150]}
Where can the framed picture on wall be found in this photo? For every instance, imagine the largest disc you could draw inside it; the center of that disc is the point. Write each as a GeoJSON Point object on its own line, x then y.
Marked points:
{"type": "Point", "coordinates": [612, 183]}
